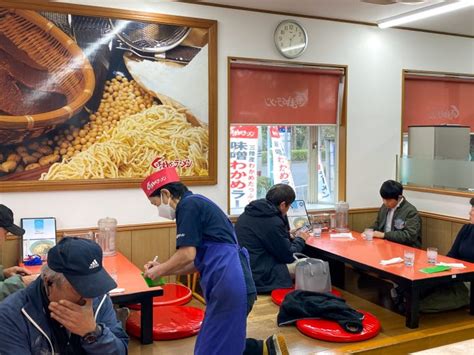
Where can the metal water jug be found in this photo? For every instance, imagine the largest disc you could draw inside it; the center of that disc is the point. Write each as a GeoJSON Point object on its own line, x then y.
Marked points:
{"type": "Point", "coordinates": [342, 216]}
{"type": "Point", "coordinates": [106, 235]}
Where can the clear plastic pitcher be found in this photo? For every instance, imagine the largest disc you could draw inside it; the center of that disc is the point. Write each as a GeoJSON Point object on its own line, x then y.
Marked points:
{"type": "Point", "coordinates": [342, 216]}
{"type": "Point", "coordinates": [106, 235]}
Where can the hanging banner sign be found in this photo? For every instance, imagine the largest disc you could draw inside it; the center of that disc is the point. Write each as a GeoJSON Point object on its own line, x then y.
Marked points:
{"type": "Point", "coordinates": [324, 192]}
{"type": "Point", "coordinates": [243, 165]}
{"type": "Point", "coordinates": [281, 166]}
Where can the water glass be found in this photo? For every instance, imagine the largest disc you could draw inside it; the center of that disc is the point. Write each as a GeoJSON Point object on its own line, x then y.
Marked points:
{"type": "Point", "coordinates": [432, 254]}
{"type": "Point", "coordinates": [409, 257]}
{"type": "Point", "coordinates": [368, 234]}
{"type": "Point", "coordinates": [317, 228]}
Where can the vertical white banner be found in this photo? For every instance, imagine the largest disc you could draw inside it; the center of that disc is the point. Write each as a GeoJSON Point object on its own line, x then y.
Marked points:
{"type": "Point", "coordinates": [243, 165]}
{"type": "Point", "coordinates": [281, 166]}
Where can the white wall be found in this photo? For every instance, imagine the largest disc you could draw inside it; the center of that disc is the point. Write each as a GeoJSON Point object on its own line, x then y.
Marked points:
{"type": "Point", "coordinates": [375, 59]}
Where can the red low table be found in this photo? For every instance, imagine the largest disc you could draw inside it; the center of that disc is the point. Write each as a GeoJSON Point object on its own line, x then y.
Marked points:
{"type": "Point", "coordinates": [279, 294]}
{"type": "Point", "coordinates": [169, 322]}
{"type": "Point", "coordinates": [173, 295]}
{"type": "Point", "coordinates": [328, 330]}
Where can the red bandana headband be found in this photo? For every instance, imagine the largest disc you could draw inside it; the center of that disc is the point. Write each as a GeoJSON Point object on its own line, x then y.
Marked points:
{"type": "Point", "coordinates": [159, 179]}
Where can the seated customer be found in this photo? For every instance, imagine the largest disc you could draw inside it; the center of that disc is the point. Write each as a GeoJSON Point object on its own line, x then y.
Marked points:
{"type": "Point", "coordinates": [397, 220]}
{"type": "Point", "coordinates": [455, 294]}
{"type": "Point", "coordinates": [66, 310]}
{"type": "Point", "coordinates": [13, 278]}
{"type": "Point", "coordinates": [263, 229]}
{"type": "Point", "coordinates": [463, 247]}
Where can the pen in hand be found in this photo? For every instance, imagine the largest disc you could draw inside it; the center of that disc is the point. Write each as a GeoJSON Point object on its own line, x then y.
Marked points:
{"type": "Point", "coordinates": [150, 264]}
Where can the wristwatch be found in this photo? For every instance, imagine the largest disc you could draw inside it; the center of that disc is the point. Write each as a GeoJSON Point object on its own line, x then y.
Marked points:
{"type": "Point", "coordinates": [91, 337]}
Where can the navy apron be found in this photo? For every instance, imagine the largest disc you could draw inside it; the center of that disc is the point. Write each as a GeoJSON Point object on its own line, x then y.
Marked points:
{"type": "Point", "coordinates": [223, 329]}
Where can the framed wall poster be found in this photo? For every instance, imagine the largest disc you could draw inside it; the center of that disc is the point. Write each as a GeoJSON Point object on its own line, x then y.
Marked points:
{"type": "Point", "coordinates": [100, 98]}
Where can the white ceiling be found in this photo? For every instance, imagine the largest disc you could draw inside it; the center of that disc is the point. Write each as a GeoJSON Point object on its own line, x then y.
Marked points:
{"type": "Point", "coordinates": [458, 22]}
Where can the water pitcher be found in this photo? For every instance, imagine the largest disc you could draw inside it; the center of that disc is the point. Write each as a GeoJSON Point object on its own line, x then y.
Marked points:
{"type": "Point", "coordinates": [342, 216]}
{"type": "Point", "coordinates": [106, 235]}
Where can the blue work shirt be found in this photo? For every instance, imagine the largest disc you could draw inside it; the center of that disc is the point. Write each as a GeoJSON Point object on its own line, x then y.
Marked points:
{"type": "Point", "coordinates": [199, 220]}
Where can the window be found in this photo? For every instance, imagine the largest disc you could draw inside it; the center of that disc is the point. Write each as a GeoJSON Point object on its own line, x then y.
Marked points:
{"type": "Point", "coordinates": [284, 122]}
{"type": "Point", "coordinates": [438, 132]}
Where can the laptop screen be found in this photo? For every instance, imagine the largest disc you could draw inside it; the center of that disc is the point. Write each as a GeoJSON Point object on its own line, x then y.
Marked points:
{"type": "Point", "coordinates": [297, 214]}
{"type": "Point", "coordinates": [39, 237]}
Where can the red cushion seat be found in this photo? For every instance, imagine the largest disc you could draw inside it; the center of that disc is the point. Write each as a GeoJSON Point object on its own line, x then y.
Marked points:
{"type": "Point", "coordinates": [169, 322]}
{"type": "Point", "coordinates": [173, 295]}
{"type": "Point", "coordinates": [328, 330]}
{"type": "Point", "coordinates": [279, 294]}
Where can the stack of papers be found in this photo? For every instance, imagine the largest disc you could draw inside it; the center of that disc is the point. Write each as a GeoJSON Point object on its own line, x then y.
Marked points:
{"type": "Point", "coordinates": [341, 235]}
{"type": "Point", "coordinates": [455, 265]}
{"type": "Point", "coordinates": [391, 261]}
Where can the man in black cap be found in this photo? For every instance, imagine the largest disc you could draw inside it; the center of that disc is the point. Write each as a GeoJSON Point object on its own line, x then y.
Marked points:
{"type": "Point", "coordinates": [67, 309]}
{"type": "Point", "coordinates": [13, 278]}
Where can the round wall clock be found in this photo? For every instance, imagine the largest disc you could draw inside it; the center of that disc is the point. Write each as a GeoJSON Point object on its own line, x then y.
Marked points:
{"type": "Point", "coordinates": [290, 38]}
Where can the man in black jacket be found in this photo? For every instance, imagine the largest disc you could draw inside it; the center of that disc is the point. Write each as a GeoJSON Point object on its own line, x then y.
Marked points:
{"type": "Point", "coordinates": [264, 230]}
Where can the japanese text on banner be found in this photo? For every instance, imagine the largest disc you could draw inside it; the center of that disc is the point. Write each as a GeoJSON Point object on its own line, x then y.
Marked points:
{"type": "Point", "coordinates": [243, 165]}
{"type": "Point", "coordinates": [281, 166]}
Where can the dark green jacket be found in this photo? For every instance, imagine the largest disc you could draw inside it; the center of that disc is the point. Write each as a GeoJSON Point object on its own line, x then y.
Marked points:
{"type": "Point", "coordinates": [406, 224]}
{"type": "Point", "coordinates": [10, 285]}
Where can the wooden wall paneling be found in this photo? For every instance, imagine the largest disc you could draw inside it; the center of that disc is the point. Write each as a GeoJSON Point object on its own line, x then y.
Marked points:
{"type": "Point", "coordinates": [438, 234]}
{"type": "Point", "coordinates": [10, 252]}
{"type": "Point", "coordinates": [360, 221]}
{"type": "Point", "coordinates": [148, 243]}
{"type": "Point", "coordinates": [424, 234]}
{"type": "Point", "coordinates": [123, 243]}
{"type": "Point", "coordinates": [350, 221]}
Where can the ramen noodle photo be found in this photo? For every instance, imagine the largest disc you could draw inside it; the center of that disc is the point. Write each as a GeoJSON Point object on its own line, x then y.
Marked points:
{"type": "Point", "coordinates": [105, 100]}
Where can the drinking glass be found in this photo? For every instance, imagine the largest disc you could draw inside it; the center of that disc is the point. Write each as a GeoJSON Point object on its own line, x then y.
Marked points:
{"type": "Point", "coordinates": [369, 234]}
{"type": "Point", "coordinates": [409, 257]}
{"type": "Point", "coordinates": [317, 230]}
{"type": "Point", "coordinates": [432, 254]}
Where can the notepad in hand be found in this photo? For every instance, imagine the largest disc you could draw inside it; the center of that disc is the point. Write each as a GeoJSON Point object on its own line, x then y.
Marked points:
{"type": "Point", "coordinates": [433, 269]}
{"type": "Point", "coordinates": [159, 281]}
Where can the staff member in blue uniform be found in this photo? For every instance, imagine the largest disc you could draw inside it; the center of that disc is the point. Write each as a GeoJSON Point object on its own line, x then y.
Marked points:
{"type": "Point", "coordinates": [206, 242]}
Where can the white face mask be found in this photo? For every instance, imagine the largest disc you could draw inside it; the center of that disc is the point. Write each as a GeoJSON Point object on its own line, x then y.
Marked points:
{"type": "Point", "coordinates": [166, 211]}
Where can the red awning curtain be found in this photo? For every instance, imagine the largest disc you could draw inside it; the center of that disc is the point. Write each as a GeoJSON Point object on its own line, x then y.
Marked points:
{"type": "Point", "coordinates": [274, 95]}
{"type": "Point", "coordinates": [435, 100]}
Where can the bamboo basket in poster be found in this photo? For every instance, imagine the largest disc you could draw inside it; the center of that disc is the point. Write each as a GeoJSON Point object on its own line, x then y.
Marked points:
{"type": "Point", "coordinates": [63, 61]}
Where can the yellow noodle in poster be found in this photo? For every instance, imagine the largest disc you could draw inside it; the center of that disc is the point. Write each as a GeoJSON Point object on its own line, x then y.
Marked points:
{"type": "Point", "coordinates": [128, 150]}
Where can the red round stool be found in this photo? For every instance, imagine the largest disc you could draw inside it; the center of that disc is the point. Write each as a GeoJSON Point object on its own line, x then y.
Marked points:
{"type": "Point", "coordinates": [173, 295]}
{"type": "Point", "coordinates": [169, 322]}
{"type": "Point", "coordinates": [328, 330]}
{"type": "Point", "coordinates": [279, 294]}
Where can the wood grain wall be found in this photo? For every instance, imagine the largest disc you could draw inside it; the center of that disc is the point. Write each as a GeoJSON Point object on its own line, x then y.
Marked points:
{"type": "Point", "coordinates": [140, 243]}
{"type": "Point", "coordinates": [437, 230]}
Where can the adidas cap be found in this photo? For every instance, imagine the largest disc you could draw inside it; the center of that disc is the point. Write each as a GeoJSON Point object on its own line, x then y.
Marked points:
{"type": "Point", "coordinates": [80, 260]}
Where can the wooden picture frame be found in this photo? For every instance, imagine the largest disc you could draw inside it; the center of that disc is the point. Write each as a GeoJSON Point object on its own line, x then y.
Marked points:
{"type": "Point", "coordinates": [59, 135]}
